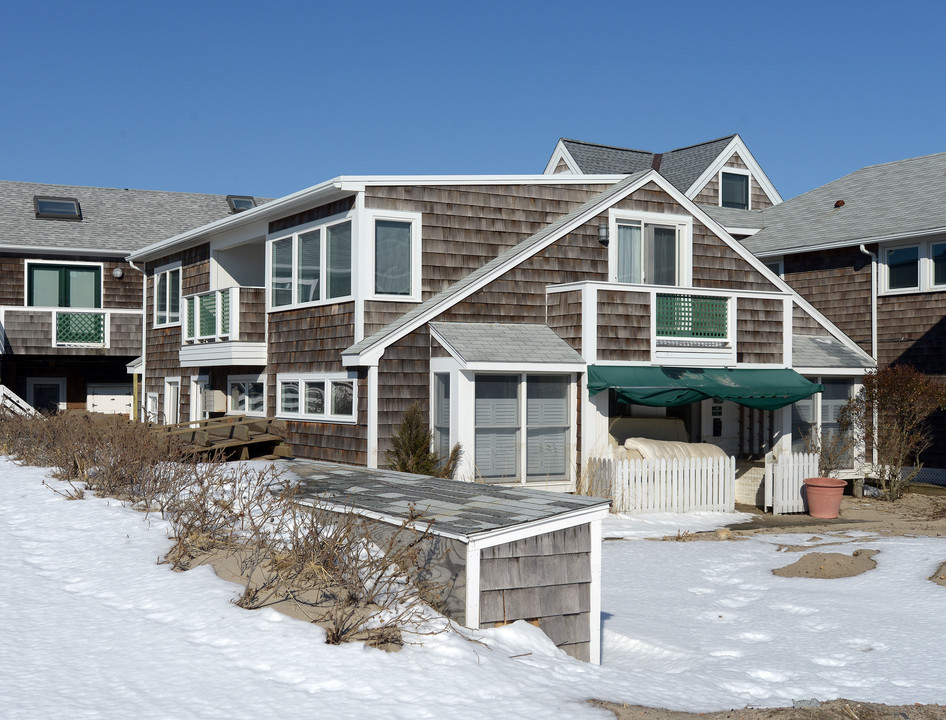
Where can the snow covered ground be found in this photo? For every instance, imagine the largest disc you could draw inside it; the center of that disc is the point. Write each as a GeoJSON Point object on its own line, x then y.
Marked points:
{"type": "Point", "coordinates": [92, 627]}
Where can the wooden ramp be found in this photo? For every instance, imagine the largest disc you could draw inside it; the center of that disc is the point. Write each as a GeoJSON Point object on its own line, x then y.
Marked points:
{"type": "Point", "coordinates": [238, 437]}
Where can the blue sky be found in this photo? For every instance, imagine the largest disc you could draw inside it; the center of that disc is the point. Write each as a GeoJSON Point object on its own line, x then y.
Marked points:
{"type": "Point", "coordinates": [265, 99]}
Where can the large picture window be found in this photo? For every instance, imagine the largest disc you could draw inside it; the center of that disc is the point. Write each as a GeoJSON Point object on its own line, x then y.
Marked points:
{"type": "Point", "coordinates": [73, 286]}
{"type": "Point", "coordinates": [311, 266]}
{"type": "Point", "coordinates": [512, 435]}
{"type": "Point", "coordinates": [167, 296]}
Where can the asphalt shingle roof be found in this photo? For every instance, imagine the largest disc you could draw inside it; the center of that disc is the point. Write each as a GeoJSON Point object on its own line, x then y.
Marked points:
{"type": "Point", "coordinates": [898, 198]}
{"type": "Point", "coordinates": [504, 342]}
{"type": "Point", "coordinates": [681, 167]}
{"type": "Point", "coordinates": [457, 508]}
{"type": "Point", "coordinates": [819, 352]}
{"type": "Point", "coordinates": [112, 218]}
{"type": "Point", "coordinates": [734, 217]}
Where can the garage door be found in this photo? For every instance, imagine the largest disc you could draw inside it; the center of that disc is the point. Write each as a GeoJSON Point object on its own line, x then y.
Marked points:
{"type": "Point", "coordinates": [112, 399]}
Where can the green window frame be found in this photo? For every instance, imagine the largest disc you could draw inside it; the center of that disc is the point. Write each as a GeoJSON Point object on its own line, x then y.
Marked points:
{"type": "Point", "coordinates": [53, 285]}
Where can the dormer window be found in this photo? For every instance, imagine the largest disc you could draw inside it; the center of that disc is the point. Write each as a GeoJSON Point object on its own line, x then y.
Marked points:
{"type": "Point", "coordinates": [56, 208]}
{"type": "Point", "coordinates": [734, 190]}
{"type": "Point", "coordinates": [239, 203]}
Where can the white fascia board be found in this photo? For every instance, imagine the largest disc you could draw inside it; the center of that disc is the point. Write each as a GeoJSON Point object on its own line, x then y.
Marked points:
{"type": "Point", "coordinates": [500, 536]}
{"type": "Point", "coordinates": [561, 153]}
{"type": "Point", "coordinates": [218, 354]}
{"type": "Point", "coordinates": [521, 367]}
{"type": "Point", "coordinates": [384, 180]}
{"type": "Point", "coordinates": [373, 354]}
{"type": "Point", "coordinates": [47, 250]}
{"type": "Point", "coordinates": [742, 231]}
{"type": "Point", "coordinates": [888, 237]}
{"type": "Point", "coordinates": [833, 371]}
{"type": "Point", "coordinates": [736, 145]}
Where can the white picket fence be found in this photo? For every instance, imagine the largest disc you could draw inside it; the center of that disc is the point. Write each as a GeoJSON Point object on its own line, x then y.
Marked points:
{"type": "Point", "coordinates": [647, 486]}
{"type": "Point", "coordinates": [785, 479]}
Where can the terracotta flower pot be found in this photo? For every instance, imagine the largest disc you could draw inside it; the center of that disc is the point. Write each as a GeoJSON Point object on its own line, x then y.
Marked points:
{"type": "Point", "coordinates": [823, 496]}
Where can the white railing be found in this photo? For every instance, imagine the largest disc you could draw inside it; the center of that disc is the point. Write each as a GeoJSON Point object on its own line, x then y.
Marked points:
{"type": "Point", "coordinates": [785, 479]}
{"type": "Point", "coordinates": [648, 486]}
{"type": "Point", "coordinates": [12, 402]}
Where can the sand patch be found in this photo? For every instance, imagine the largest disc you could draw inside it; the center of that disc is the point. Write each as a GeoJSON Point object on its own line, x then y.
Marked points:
{"type": "Point", "coordinates": [939, 577]}
{"type": "Point", "coordinates": [830, 565]}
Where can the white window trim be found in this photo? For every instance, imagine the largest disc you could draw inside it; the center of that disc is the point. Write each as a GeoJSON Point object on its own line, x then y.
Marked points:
{"type": "Point", "coordinates": [368, 277]}
{"type": "Point", "coordinates": [294, 233]}
{"type": "Point", "coordinates": [196, 381]}
{"type": "Point", "coordinates": [328, 378]}
{"type": "Point", "coordinates": [734, 171]}
{"type": "Point", "coordinates": [168, 383]}
{"type": "Point", "coordinates": [154, 293]}
{"type": "Point", "coordinates": [778, 262]}
{"type": "Point", "coordinates": [684, 226]}
{"type": "Point", "coordinates": [260, 378]}
{"type": "Point", "coordinates": [26, 279]}
{"type": "Point", "coordinates": [924, 268]}
{"type": "Point", "coordinates": [60, 381]}
{"type": "Point", "coordinates": [522, 445]}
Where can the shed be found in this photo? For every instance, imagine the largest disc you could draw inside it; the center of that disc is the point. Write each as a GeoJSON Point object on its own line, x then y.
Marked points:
{"type": "Point", "coordinates": [509, 553]}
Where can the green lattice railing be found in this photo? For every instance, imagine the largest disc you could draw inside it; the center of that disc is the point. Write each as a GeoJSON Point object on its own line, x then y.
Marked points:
{"type": "Point", "coordinates": [700, 317]}
{"type": "Point", "coordinates": [80, 328]}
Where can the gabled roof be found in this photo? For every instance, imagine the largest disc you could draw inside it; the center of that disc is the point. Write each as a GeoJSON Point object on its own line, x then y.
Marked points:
{"type": "Point", "coordinates": [880, 202]}
{"type": "Point", "coordinates": [505, 343]}
{"type": "Point", "coordinates": [114, 220]}
{"type": "Point", "coordinates": [682, 167]}
{"type": "Point", "coordinates": [428, 309]}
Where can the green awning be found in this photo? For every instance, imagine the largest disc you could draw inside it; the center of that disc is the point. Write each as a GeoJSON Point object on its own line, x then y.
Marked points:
{"type": "Point", "coordinates": [670, 386]}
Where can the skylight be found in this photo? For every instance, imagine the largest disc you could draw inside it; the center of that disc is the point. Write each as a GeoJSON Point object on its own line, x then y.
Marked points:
{"type": "Point", "coordinates": [239, 203]}
{"type": "Point", "coordinates": [57, 208]}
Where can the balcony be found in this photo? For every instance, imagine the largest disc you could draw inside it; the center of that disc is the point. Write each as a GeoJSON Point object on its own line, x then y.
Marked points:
{"type": "Point", "coordinates": [663, 325]}
{"type": "Point", "coordinates": [64, 331]}
{"type": "Point", "coordinates": [224, 327]}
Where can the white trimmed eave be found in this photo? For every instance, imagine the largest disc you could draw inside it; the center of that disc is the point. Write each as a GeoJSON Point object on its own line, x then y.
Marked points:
{"type": "Point", "coordinates": [833, 371]}
{"type": "Point", "coordinates": [340, 187]}
{"type": "Point", "coordinates": [51, 250]}
{"type": "Point", "coordinates": [888, 237]}
{"type": "Point", "coordinates": [561, 153]}
{"type": "Point", "coordinates": [736, 145]}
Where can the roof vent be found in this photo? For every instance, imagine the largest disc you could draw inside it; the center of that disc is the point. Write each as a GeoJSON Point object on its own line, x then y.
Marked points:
{"type": "Point", "coordinates": [839, 203]}
{"type": "Point", "coordinates": [56, 208]}
{"type": "Point", "coordinates": [239, 203]}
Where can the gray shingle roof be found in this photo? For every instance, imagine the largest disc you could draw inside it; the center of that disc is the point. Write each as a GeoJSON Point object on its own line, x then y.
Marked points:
{"type": "Point", "coordinates": [734, 217]}
{"type": "Point", "coordinates": [822, 352]}
{"type": "Point", "coordinates": [503, 342]}
{"type": "Point", "coordinates": [444, 296]}
{"type": "Point", "coordinates": [898, 198]}
{"type": "Point", "coordinates": [681, 167]}
{"type": "Point", "coordinates": [113, 219]}
{"type": "Point", "coordinates": [457, 508]}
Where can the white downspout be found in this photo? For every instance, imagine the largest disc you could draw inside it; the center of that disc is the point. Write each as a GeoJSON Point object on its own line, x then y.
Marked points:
{"type": "Point", "coordinates": [873, 329]}
{"type": "Point", "coordinates": [873, 300]}
{"type": "Point", "coordinates": [142, 416]}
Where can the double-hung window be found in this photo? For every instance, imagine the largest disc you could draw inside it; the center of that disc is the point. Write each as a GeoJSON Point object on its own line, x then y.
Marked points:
{"type": "Point", "coordinates": [72, 286]}
{"type": "Point", "coordinates": [522, 422]}
{"type": "Point", "coordinates": [311, 266]}
{"type": "Point", "coordinates": [650, 249]}
{"type": "Point", "coordinates": [167, 296]}
{"type": "Point", "coordinates": [327, 398]}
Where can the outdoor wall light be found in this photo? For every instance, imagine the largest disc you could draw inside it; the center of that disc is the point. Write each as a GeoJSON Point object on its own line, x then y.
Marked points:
{"type": "Point", "coordinates": [117, 273]}
{"type": "Point", "coordinates": [603, 234]}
